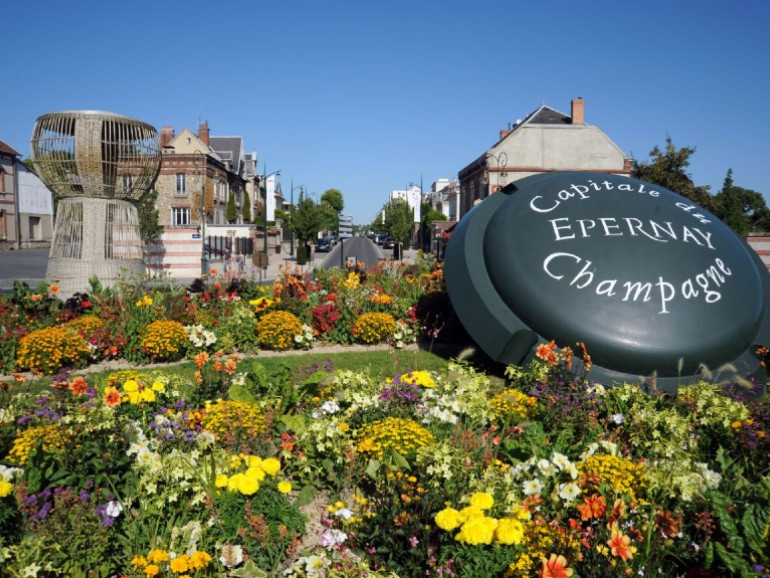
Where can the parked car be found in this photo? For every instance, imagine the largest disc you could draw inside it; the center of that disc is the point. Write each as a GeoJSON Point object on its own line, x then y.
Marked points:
{"type": "Point", "coordinates": [380, 239]}
{"type": "Point", "coordinates": [389, 243]}
{"type": "Point", "coordinates": [324, 244]}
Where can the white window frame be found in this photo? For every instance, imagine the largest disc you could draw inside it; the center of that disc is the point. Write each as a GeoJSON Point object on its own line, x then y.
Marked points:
{"type": "Point", "coordinates": [180, 216]}
{"type": "Point", "coordinates": [181, 178]}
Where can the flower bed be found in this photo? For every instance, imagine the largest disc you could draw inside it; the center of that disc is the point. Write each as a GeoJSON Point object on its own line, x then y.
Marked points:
{"type": "Point", "coordinates": [44, 334]}
{"type": "Point", "coordinates": [443, 473]}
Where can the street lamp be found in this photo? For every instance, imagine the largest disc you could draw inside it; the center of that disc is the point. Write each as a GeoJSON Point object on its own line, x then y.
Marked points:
{"type": "Point", "coordinates": [264, 209]}
{"type": "Point", "coordinates": [291, 212]}
{"type": "Point", "coordinates": [502, 162]}
{"type": "Point", "coordinates": [198, 162]}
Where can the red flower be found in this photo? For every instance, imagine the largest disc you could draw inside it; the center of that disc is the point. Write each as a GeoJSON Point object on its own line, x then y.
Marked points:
{"type": "Point", "coordinates": [78, 386]}
{"type": "Point", "coordinates": [86, 304]}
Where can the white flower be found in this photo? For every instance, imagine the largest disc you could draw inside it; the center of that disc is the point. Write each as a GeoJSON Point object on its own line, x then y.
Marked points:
{"type": "Point", "coordinates": [609, 447]}
{"type": "Point", "coordinates": [113, 509]}
{"type": "Point", "coordinates": [546, 467]}
{"type": "Point", "coordinates": [332, 537]}
{"type": "Point", "coordinates": [589, 451]}
{"type": "Point", "coordinates": [344, 513]}
{"type": "Point", "coordinates": [569, 492]}
{"type": "Point", "coordinates": [572, 471]}
{"type": "Point", "coordinates": [617, 418]}
{"type": "Point", "coordinates": [560, 460]}
{"type": "Point", "coordinates": [532, 487]}
{"type": "Point", "coordinates": [330, 407]}
{"type": "Point", "coordinates": [231, 555]}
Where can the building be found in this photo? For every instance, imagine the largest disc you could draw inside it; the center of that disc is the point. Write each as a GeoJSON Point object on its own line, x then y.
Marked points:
{"type": "Point", "coordinates": [546, 140]}
{"type": "Point", "coordinates": [198, 174]}
{"type": "Point", "coordinates": [32, 224]}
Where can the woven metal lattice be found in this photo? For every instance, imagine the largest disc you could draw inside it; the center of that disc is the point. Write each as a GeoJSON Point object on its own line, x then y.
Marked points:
{"type": "Point", "coordinates": [95, 154]}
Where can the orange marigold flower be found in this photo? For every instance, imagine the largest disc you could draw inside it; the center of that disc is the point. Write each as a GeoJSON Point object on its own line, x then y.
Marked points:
{"type": "Point", "coordinates": [54, 288]}
{"type": "Point", "coordinates": [620, 544]}
{"type": "Point", "coordinates": [213, 271]}
{"type": "Point", "coordinates": [217, 366]}
{"type": "Point", "coordinates": [230, 366]}
{"type": "Point", "coordinates": [555, 567]}
{"type": "Point", "coordinates": [592, 507]}
{"type": "Point", "coordinates": [79, 386]}
{"type": "Point", "coordinates": [111, 397]}
{"type": "Point", "coordinates": [586, 358]}
{"type": "Point", "coordinates": [544, 350]}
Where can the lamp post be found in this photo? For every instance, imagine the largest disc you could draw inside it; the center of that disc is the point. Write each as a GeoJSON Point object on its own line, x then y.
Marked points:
{"type": "Point", "coordinates": [291, 212]}
{"type": "Point", "coordinates": [502, 162]}
{"type": "Point", "coordinates": [198, 162]}
{"type": "Point", "coordinates": [264, 211]}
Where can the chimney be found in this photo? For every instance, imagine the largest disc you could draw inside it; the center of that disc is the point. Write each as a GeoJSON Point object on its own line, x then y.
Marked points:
{"type": "Point", "coordinates": [166, 135]}
{"type": "Point", "coordinates": [504, 133]}
{"type": "Point", "coordinates": [203, 132]}
{"type": "Point", "coordinates": [578, 112]}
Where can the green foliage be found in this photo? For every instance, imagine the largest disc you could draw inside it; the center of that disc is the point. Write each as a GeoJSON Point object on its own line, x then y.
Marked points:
{"type": "Point", "coordinates": [149, 227]}
{"type": "Point", "coordinates": [306, 220]}
{"type": "Point", "coordinates": [743, 210]}
{"type": "Point", "coordinates": [334, 199]}
{"type": "Point", "coordinates": [302, 253]}
{"type": "Point", "coordinates": [246, 208]}
{"type": "Point", "coordinates": [231, 212]}
{"type": "Point", "coordinates": [669, 169]}
{"type": "Point", "coordinates": [399, 219]}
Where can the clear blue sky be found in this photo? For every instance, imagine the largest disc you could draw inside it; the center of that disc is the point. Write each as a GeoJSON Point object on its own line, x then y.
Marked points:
{"type": "Point", "coordinates": [368, 95]}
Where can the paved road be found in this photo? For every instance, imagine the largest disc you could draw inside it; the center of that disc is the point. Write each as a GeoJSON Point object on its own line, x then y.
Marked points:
{"type": "Point", "coordinates": [359, 249]}
{"type": "Point", "coordinates": [27, 265]}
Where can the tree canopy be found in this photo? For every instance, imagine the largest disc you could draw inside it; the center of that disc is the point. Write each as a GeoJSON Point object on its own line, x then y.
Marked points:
{"type": "Point", "coordinates": [246, 208]}
{"type": "Point", "coordinates": [398, 219]}
{"type": "Point", "coordinates": [306, 220]}
{"type": "Point", "coordinates": [744, 210]}
{"type": "Point", "coordinates": [231, 212]}
{"type": "Point", "coordinates": [667, 168]}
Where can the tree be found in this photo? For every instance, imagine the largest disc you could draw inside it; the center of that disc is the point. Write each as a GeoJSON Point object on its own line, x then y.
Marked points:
{"type": "Point", "coordinates": [743, 210]}
{"type": "Point", "coordinates": [149, 229]}
{"type": "Point", "coordinates": [331, 206]}
{"type": "Point", "coordinates": [668, 169]}
{"type": "Point", "coordinates": [231, 212]}
{"type": "Point", "coordinates": [246, 208]}
{"type": "Point", "coordinates": [399, 219]}
{"type": "Point", "coordinates": [306, 219]}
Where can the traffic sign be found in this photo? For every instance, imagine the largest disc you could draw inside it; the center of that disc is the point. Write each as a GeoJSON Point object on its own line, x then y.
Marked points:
{"type": "Point", "coordinates": [346, 235]}
{"type": "Point", "coordinates": [346, 219]}
{"type": "Point", "coordinates": [347, 229]}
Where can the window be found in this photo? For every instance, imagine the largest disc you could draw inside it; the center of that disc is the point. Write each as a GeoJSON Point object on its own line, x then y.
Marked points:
{"type": "Point", "coordinates": [128, 182]}
{"type": "Point", "coordinates": [180, 216]}
{"type": "Point", "coordinates": [181, 184]}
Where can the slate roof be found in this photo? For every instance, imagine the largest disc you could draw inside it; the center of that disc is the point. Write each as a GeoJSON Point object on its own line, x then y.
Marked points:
{"type": "Point", "coordinates": [547, 115]}
{"type": "Point", "coordinates": [4, 148]}
{"type": "Point", "coordinates": [230, 148]}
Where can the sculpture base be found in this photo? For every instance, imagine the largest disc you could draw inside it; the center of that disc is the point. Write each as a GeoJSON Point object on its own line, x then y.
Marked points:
{"type": "Point", "coordinates": [94, 238]}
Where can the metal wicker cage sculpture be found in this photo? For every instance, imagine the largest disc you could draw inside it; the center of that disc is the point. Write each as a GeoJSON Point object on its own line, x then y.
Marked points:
{"type": "Point", "coordinates": [98, 164]}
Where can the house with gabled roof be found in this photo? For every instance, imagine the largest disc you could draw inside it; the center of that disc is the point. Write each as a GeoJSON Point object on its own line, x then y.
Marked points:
{"type": "Point", "coordinates": [26, 204]}
{"type": "Point", "coordinates": [546, 140]}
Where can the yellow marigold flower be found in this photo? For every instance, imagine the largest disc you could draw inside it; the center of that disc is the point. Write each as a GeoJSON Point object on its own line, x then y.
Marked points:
{"type": "Point", "coordinates": [482, 500]}
{"type": "Point", "coordinates": [255, 473]}
{"type": "Point", "coordinates": [147, 395]}
{"type": "Point", "coordinates": [271, 466]}
{"type": "Point", "coordinates": [234, 483]}
{"type": "Point", "coordinates": [448, 519]}
{"type": "Point", "coordinates": [221, 481]}
{"type": "Point", "coordinates": [152, 570]}
{"type": "Point", "coordinates": [477, 530]}
{"type": "Point", "coordinates": [180, 564]}
{"type": "Point", "coordinates": [199, 560]}
{"type": "Point", "coordinates": [130, 386]}
{"type": "Point", "coordinates": [248, 486]}
{"type": "Point", "coordinates": [158, 556]}
{"type": "Point", "coordinates": [512, 403]}
{"type": "Point", "coordinates": [509, 531]}
{"type": "Point", "coordinates": [343, 427]}
{"type": "Point", "coordinates": [469, 512]}
{"type": "Point", "coordinates": [159, 386]}
{"type": "Point", "coordinates": [402, 435]}
{"type": "Point", "coordinates": [284, 487]}
{"type": "Point", "coordinates": [253, 461]}
{"type": "Point", "coordinates": [5, 488]}
{"type": "Point", "coordinates": [139, 561]}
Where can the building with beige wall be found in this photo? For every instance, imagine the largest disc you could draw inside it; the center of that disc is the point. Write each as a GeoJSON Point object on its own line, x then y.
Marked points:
{"type": "Point", "coordinates": [546, 140]}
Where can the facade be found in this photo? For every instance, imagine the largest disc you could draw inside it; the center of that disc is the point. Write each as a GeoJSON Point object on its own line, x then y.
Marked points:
{"type": "Point", "coordinates": [445, 198]}
{"type": "Point", "coordinates": [546, 140]}
{"type": "Point", "coordinates": [32, 225]}
{"type": "Point", "coordinates": [198, 173]}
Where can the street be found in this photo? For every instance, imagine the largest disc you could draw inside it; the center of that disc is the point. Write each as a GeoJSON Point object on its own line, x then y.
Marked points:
{"type": "Point", "coordinates": [27, 265]}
